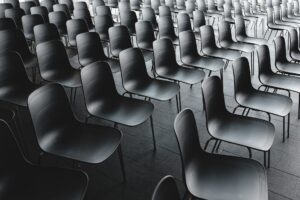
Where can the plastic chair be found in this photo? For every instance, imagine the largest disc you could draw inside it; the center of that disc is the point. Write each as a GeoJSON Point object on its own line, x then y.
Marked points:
{"type": "Point", "coordinates": [40, 10]}
{"type": "Point", "coordinates": [64, 8]}
{"type": "Point", "coordinates": [74, 28]}
{"type": "Point", "coordinates": [166, 29]}
{"type": "Point", "coordinates": [145, 38]}
{"type": "Point", "coordinates": [85, 15]}
{"type": "Point", "coordinates": [26, 6]}
{"type": "Point", "coordinates": [28, 23]}
{"type": "Point", "coordinates": [45, 33]}
{"type": "Point", "coordinates": [119, 40]}
{"type": "Point", "coordinates": [3, 7]}
{"type": "Point", "coordinates": [102, 24]}
{"type": "Point", "coordinates": [7, 23]}
{"type": "Point", "coordinates": [16, 14]}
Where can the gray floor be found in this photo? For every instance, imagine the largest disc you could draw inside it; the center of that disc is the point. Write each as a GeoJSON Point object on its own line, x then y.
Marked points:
{"type": "Point", "coordinates": [144, 167]}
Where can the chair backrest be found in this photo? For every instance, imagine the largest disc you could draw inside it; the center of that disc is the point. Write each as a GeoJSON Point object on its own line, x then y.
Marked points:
{"type": "Point", "coordinates": [164, 11]}
{"type": "Point", "coordinates": [293, 40]}
{"type": "Point", "coordinates": [129, 19]}
{"type": "Point", "coordinates": [180, 4]}
{"type": "Point", "coordinates": [80, 5]}
{"type": "Point", "coordinates": [28, 23]}
{"type": "Point", "coordinates": [183, 22]}
{"type": "Point", "coordinates": [98, 75]}
{"type": "Point", "coordinates": [201, 5]}
{"type": "Point", "coordinates": [45, 33]}
{"type": "Point", "coordinates": [207, 37]}
{"type": "Point", "coordinates": [53, 59]}
{"type": "Point", "coordinates": [242, 76]}
{"type": "Point", "coordinates": [102, 24]}
{"type": "Point", "coordinates": [64, 8]}
{"type": "Point", "coordinates": [48, 4]}
{"type": "Point", "coordinates": [59, 19]}
{"type": "Point", "coordinates": [264, 60]}
{"type": "Point", "coordinates": [144, 34]}
{"type": "Point", "coordinates": [247, 7]}
{"type": "Point", "coordinates": [69, 3]}
{"type": "Point", "coordinates": [290, 11]}
{"type": "Point", "coordinates": [119, 39]}
{"type": "Point", "coordinates": [220, 5]}
{"type": "Point", "coordinates": [187, 44]}
{"type": "Point", "coordinates": [3, 7]}
{"type": "Point", "coordinates": [166, 189]}
{"type": "Point", "coordinates": [270, 18]}
{"type": "Point", "coordinates": [190, 7]}
{"type": "Point", "coordinates": [280, 49]}
{"type": "Point", "coordinates": [133, 68]}
{"type": "Point", "coordinates": [211, 5]}
{"type": "Point", "coordinates": [135, 4]}
{"type": "Point", "coordinates": [198, 19]}
{"type": "Point", "coordinates": [103, 10]}
{"type": "Point", "coordinates": [155, 5]}
{"type": "Point", "coordinates": [166, 28]}
{"type": "Point", "coordinates": [14, 3]}
{"type": "Point", "coordinates": [240, 29]}
{"type": "Point", "coordinates": [97, 3]}
{"type": "Point", "coordinates": [227, 12]}
{"type": "Point", "coordinates": [85, 15]}
{"type": "Point", "coordinates": [40, 10]}
{"type": "Point", "coordinates": [7, 23]}
{"type": "Point", "coordinates": [16, 14]}
{"type": "Point", "coordinates": [277, 13]}
{"type": "Point", "coordinates": [296, 7]}
{"type": "Point", "coordinates": [89, 48]}
{"type": "Point", "coordinates": [124, 7]}
{"type": "Point", "coordinates": [75, 27]}
{"type": "Point", "coordinates": [213, 97]}
{"type": "Point", "coordinates": [148, 14]}
{"type": "Point", "coordinates": [238, 9]}
{"type": "Point", "coordinates": [26, 6]}
{"type": "Point", "coordinates": [224, 32]}
{"type": "Point", "coordinates": [50, 110]}
{"type": "Point", "coordinates": [170, 4]}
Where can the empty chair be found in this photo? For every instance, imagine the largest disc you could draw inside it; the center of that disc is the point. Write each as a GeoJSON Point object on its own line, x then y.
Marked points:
{"type": "Point", "coordinates": [103, 10]}
{"type": "Point", "coordinates": [48, 4]}
{"type": "Point", "coordinates": [269, 79]}
{"type": "Point", "coordinates": [145, 38]}
{"type": "Point", "coordinates": [155, 6]}
{"type": "Point", "coordinates": [190, 57]}
{"type": "Point", "coordinates": [64, 8]}
{"type": "Point", "coordinates": [3, 7]}
{"type": "Point", "coordinates": [97, 3]}
{"type": "Point", "coordinates": [26, 6]}
{"type": "Point", "coordinates": [59, 19]}
{"type": "Point", "coordinates": [227, 14]}
{"type": "Point", "coordinates": [136, 80]}
{"type": "Point", "coordinates": [198, 20]}
{"type": "Point", "coordinates": [40, 10]}
{"type": "Point", "coordinates": [183, 22]}
{"type": "Point", "coordinates": [180, 5]}
{"type": "Point", "coordinates": [148, 14]}
{"type": "Point", "coordinates": [129, 19]}
{"type": "Point", "coordinates": [7, 23]}
{"type": "Point", "coordinates": [16, 14]}
{"type": "Point", "coordinates": [102, 24]}
{"type": "Point", "coordinates": [166, 66]}
{"type": "Point", "coordinates": [90, 50]}
{"type": "Point", "coordinates": [119, 40]}
{"type": "Point", "coordinates": [166, 189]}
{"type": "Point", "coordinates": [69, 3]}
{"type": "Point", "coordinates": [135, 5]}
{"type": "Point", "coordinates": [79, 142]}
{"type": "Point", "coordinates": [35, 182]}
{"type": "Point", "coordinates": [248, 97]}
{"type": "Point", "coordinates": [171, 5]}
{"type": "Point", "coordinates": [85, 15]}
{"type": "Point", "coordinates": [75, 27]}
{"type": "Point", "coordinates": [206, 176]}
{"type": "Point", "coordinates": [29, 22]}
{"type": "Point", "coordinates": [80, 5]}
{"type": "Point", "coordinates": [294, 45]}
{"type": "Point", "coordinates": [103, 100]}
{"type": "Point", "coordinates": [166, 29]}
{"type": "Point", "coordinates": [164, 11]}
{"type": "Point", "coordinates": [190, 7]}
{"type": "Point", "coordinates": [45, 33]}
{"type": "Point", "coordinates": [124, 6]}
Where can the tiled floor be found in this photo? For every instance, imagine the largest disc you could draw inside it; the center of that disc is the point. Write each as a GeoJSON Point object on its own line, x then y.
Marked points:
{"type": "Point", "coordinates": [144, 167]}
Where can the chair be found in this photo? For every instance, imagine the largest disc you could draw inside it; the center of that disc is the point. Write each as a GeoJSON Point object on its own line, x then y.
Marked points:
{"type": "Point", "coordinates": [119, 40]}
{"type": "Point", "coordinates": [166, 189]}
{"type": "Point", "coordinates": [26, 6]}
{"type": "Point", "coordinates": [248, 97]}
{"type": "Point", "coordinates": [198, 20]}
{"type": "Point", "coordinates": [85, 15]}
{"type": "Point", "coordinates": [145, 38]}
{"type": "Point", "coordinates": [124, 6]}
{"type": "Point", "coordinates": [36, 2]}
{"type": "Point", "coordinates": [69, 3]}
{"type": "Point", "coordinates": [136, 81]}
{"type": "Point", "coordinates": [269, 79]}
{"type": "Point", "coordinates": [40, 10]}
{"type": "Point", "coordinates": [190, 7]}
{"type": "Point", "coordinates": [103, 10]}
{"type": "Point", "coordinates": [28, 23]}
{"type": "Point", "coordinates": [278, 13]}
{"type": "Point", "coordinates": [79, 142]}
{"type": "Point", "coordinates": [164, 11]}
{"type": "Point", "coordinates": [155, 6]}
{"type": "Point", "coordinates": [189, 55]}
{"type": "Point", "coordinates": [35, 182]}
{"type": "Point", "coordinates": [294, 45]}
{"type": "Point", "coordinates": [148, 14]}
{"type": "Point", "coordinates": [106, 103]}
{"type": "Point", "coordinates": [64, 8]}
{"type": "Point", "coordinates": [102, 24]}
{"type": "Point", "coordinates": [97, 3]}
{"type": "Point", "coordinates": [16, 14]}
{"type": "Point", "coordinates": [7, 23]}
{"type": "Point", "coordinates": [90, 50]}
{"type": "Point", "coordinates": [166, 29]}
{"type": "Point", "coordinates": [180, 5]}
{"type": "Point", "coordinates": [129, 19]}
{"type": "Point", "coordinates": [75, 27]}
{"type": "Point", "coordinates": [206, 176]}
{"type": "Point", "coordinates": [183, 22]}
{"type": "Point", "coordinates": [135, 5]}
{"type": "Point", "coordinates": [3, 7]}
{"type": "Point", "coordinates": [14, 3]}
{"type": "Point", "coordinates": [48, 4]}
{"type": "Point", "coordinates": [227, 14]}
{"type": "Point", "coordinates": [45, 33]}
{"type": "Point", "coordinates": [80, 5]}
{"type": "Point", "coordinates": [59, 19]}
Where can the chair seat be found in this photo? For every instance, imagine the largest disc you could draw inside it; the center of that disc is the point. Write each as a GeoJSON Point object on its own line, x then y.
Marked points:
{"type": "Point", "coordinates": [238, 46]}
{"type": "Point", "coordinates": [155, 89]}
{"type": "Point", "coordinates": [126, 111]}
{"type": "Point", "coordinates": [243, 131]}
{"type": "Point", "coordinates": [271, 103]}
{"type": "Point", "coordinates": [70, 79]}
{"type": "Point", "coordinates": [48, 184]}
{"type": "Point", "coordinates": [222, 53]}
{"type": "Point", "coordinates": [89, 143]}
{"type": "Point", "coordinates": [182, 74]}
{"type": "Point", "coordinates": [210, 178]}
{"type": "Point", "coordinates": [287, 67]}
{"type": "Point", "coordinates": [212, 64]}
{"type": "Point", "coordinates": [282, 81]}
{"type": "Point", "coordinates": [257, 41]}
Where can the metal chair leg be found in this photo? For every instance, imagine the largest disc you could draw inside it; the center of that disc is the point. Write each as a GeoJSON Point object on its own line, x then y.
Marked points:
{"type": "Point", "coordinates": [153, 135]}
{"type": "Point", "coordinates": [120, 153]}
{"type": "Point", "coordinates": [283, 129]}
{"type": "Point", "coordinates": [269, 158]}
{"type": "Point", "coordinates": [288, 126]}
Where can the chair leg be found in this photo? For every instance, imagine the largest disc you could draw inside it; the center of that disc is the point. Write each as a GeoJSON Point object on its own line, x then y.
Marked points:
{"type": "Point", "coordinates": [153, 135]}
{"type": "Point", "coordinates": [250, 152]}
{"type": "Point", "coordinates": [218, 147]}
{"type": "Point", "coordinates": [177, 104]}
{"type": "Point", "coordinates": [288, 128]}
{"type": "Point", "coordinates": [283, 129]}
{"type": "Point", "coordinates": [120, 153]}
{"type": "Point", "coordinates": [269, 158]}
{"type": "Point", "coordinates": [265, 159]}
{"type": "Point", "coordinates": [299, 107]}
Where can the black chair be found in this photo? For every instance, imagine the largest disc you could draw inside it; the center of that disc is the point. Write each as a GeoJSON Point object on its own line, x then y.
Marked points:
{"type": "Point", "coordinates": [97, 3]}
{"type": "Point", "coordinates": [119, 40]}
{"type": "Point", "coordinates": [16, 14]}
{"type": "Point", "coordinates": [52, 117]}
{"type": "Point", "coordinates": [85, 15]}
{"type": "Point", "coordinates": [3, 7]}
{"type": "Point", "coordinates": [80, 5]}
{"type": "Point", "coordinates": [145, 38]}
{"type": "Point", "coordinates": [249, 98]}
{"type": "Point", "coordinates": [166, 29]}
{"type": "Point", "coordinates": [48, 4]}
{"type": "Point", "coordinates": [102, 24]}
{"type": "Point", "coordinates": [7, 23]}
{"type": "Point", "coordinates": [241, 130]}
{"type": "Point", "coordinates": [164, 11]}
{"type": "Point", "coordinates": [26, 6]}
{"type": "Point", "coordinates": [148, 14]}
{"type": "Point", "coordinates": [207, 176]}
{"type": "Point", "coordinates": [129, 19]}
{"type": "Point", "coordinates": [36, 2]}
{"type": "Point", "coordinates": [135, 5]}
{"type": "Point", "coordinates": [75, 27]}
{"type": "Point", "coordinates": [190, 57]}
{"type": "Point", "coordinates": [136, 80]}
{"type": "Point", "coordinates": [69, 3]}
{"type": "Point", "coordinates": [40, 10]}
{"type": "Point", "coordinates": [28, 23]}
{"type": "Point", "coordinates": [103, 10]}
{"type": "Point", "coordinates": [166, 189]}
{"type": "Point", "coordinates": [198, 20]}
{"type": "Point", "coordinates": [90, 50]}
{"type": "Point", "coordinates": [184, 23]}
{"type": "Point", "coordinates": [294, 45]}
{"type": "Point", "coordinates": [45, 33]}
{"type": "Point", "coordinates": [63, 8]}
{"type": "Point", "coordinates": [23, 180]}
{"type": "Point", "coordinates": [55, 67]}
{"type": "Point", "coordinates": [124, 6]}
{"type": "Point", "coordinates": [59, 19]}
{"type": "Point", "coordinates": [14, 3]}
{"type": "Point", "coordinates": [106, 103]}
